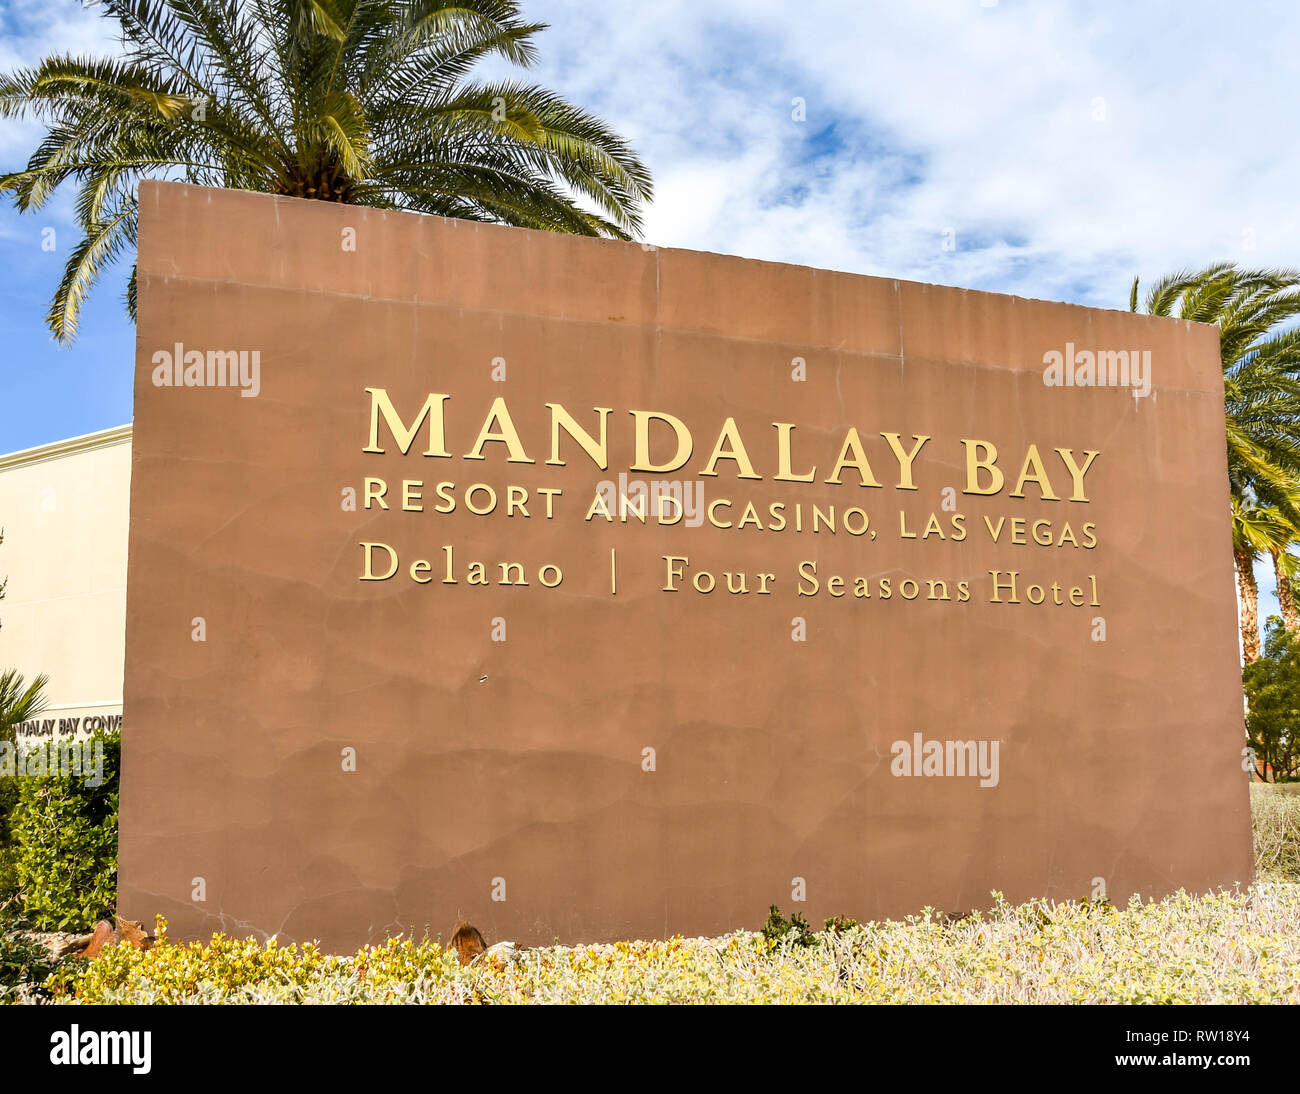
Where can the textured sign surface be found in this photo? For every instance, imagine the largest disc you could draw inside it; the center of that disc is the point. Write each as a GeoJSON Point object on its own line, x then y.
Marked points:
{"type": "Point", "coordinates": [591, 590]}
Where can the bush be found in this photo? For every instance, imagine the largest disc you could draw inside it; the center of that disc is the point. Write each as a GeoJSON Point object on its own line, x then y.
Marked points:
{"type": "Point", "coordinates": [247, 970]}
{"type": "Point", "coordinates": [1225, 948]}
{"type": "Point", "coordinates": [777, 929]}
{"type": "Point", "coordinates": [65, 835]}
{"type": "Point", "coordinates": [8, 852]}
{"type": "Point", "coordinates": [24, 963]}
{"type": "Point", "coordinates": [19, 701]}
{"type": "Point", "coordinates": [1275, 816]}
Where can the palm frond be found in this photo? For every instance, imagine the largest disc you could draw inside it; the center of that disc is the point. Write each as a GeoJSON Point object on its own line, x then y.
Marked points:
{"type": "Point", "coordinates": [360, 101]}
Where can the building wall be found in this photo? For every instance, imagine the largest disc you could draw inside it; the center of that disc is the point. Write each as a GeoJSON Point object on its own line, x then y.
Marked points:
{"type": "Point", "coordinates": [64, 508]}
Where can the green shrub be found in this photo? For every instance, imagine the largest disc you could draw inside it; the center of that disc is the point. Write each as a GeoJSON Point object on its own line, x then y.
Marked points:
{"type": "Point", "coordinates": [8, 863]}
{"type": "Point", "coordinates": [778, 928]}
{"type": "Point", "coordinates": [19, 701]}
{"type": "Point", "coordinates": [23, 962]}
{"type": "Point", "coordinates": [228, 969]}
{"type": "Point", "coordinates": [65, 834]}
{"type": "Point", "coordinates": [1226, 948]}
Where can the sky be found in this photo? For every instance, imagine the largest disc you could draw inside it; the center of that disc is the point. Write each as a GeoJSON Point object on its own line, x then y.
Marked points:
{"type": "Point", "coordinates": [1052, 150]}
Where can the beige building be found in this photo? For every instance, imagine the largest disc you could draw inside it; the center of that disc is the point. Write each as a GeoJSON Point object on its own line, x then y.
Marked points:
{"type": "Point", "coordinates": [64, 509]}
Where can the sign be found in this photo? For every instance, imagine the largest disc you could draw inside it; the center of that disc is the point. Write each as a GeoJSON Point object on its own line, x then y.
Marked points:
{"type": "Point", "coordinates": [590, 590]}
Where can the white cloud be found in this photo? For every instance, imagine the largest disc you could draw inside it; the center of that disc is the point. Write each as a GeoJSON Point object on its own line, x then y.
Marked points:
{"type": "Point", "coordinates": [921, 117]}
{"type": "Point", "coordinates": [1068, 149]}
{"type": "Point", "coordinates": [31, 30]}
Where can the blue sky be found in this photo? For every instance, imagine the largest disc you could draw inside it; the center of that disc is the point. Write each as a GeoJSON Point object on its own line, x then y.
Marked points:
{"type": "Point", "coordinates": [1059, 149]}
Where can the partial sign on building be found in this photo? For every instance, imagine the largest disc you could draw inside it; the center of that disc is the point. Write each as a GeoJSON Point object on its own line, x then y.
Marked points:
{"type": "Point", "coordinates": [63, 514]}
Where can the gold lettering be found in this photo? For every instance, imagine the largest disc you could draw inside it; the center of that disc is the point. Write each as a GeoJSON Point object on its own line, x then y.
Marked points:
{"type": "Point", "coordinates": [380, 403]}
{"type": "Point", "coordinates": [784, 473]}
{"type": "Point", "coordinates": [675, 573]}
{"type": "Point", "coordinates": [1035, 462]}
{"type": "Point", "coordinates": [369, 574]}
{"type": "Point", "coordinates": [1009, 586]}
{"type": "Point", "coordinates": [905, 459]}
{"type": "Point", "coordinates": [974, 464]}
{"type": "Point", "coordinates": [685, 444]}
{"type": "Point", "coordinates": [730, 435]}
{"type": "Point", "coordinates": [375, 489]}
{"type": "Point", "coordinates": [505, 432]}
{"type": "Point", "coordinates": [1077, 472]}
{"type": "Point", "coordinates": [852, 447]}
{"type": "Point", "coordinates": [597, 450]}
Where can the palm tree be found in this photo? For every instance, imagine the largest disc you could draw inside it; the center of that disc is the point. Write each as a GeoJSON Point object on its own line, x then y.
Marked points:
{"type": "Point", "coordinates": [1285, 568]}
{"type": "Point", "coordinates": [362, 102]}
{"type": "Point", "coordinates": [1260, 356]}
{"type": "Point", "coordinates": [19, 701]}
{"type": "Point", "coordinates": [1256, 530]}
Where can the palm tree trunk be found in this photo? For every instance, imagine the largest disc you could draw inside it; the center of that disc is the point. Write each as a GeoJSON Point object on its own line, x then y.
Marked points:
{"type": "Point", "coordinates": [1249, 594]}
{"type": "Point", "coordinates": [1285, 597]}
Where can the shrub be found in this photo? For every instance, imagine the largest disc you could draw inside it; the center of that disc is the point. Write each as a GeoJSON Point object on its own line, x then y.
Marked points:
{"type": "Point", "coordinates": [24, 963]}
{"type": "Point", "coordinates": [1230, 947]}
{"type": "Point", "coordinates": [8, 863]}
{"type": "Point", "coordinates": [1275, 817]}
{"type": "Point", "coordinates": [19, 701]}
{"type": "Point", "coordinates": [777, 929]}
{"type": "Point", "coordinates": [65, 834]}
{"type": "Point", "coordinates": [244, 970]}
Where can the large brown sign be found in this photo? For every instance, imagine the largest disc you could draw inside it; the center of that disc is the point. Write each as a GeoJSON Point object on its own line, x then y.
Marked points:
{"type": "Point", "coordinates": [590, 590]}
